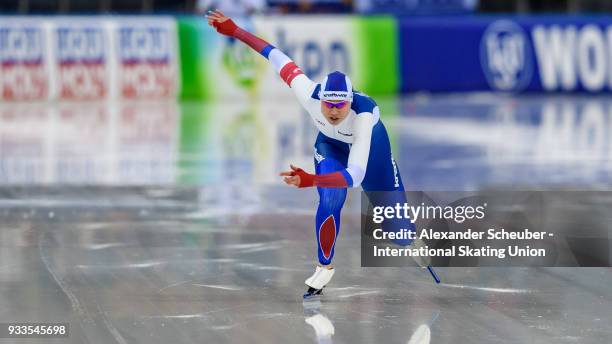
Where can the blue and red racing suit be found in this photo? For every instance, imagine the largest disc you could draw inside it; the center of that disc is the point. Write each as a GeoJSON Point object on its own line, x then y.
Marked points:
{"type": "Point", "coordinates": [355, 152]}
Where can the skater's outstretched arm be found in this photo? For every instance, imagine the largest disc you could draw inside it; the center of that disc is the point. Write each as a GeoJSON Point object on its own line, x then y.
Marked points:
{"type": "Point", "coordinates": [352, 176]}
{"type": "Point", "coordinates": [303, 88]}
{"type": "Point", "coordinates": [291, 74]}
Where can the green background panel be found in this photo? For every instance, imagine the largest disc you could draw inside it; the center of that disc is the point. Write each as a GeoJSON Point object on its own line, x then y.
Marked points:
{"type": "Point", "coordinates": [194, 47]}
{"type": "Point", "coordinates": [377, 54]}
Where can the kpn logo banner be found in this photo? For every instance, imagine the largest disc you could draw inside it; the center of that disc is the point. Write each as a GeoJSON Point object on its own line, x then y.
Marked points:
{"type": "Point", "coordinates": [88, 58]}
{"type": "Point", "coordinates": [513, 54]}
{"type": "Point", "coordinates": [215, 66]}
{"type": "Point", "coordinates": [365, 48]}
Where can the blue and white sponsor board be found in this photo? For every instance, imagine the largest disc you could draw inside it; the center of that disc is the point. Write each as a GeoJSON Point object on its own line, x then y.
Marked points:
{"type": "Point", "coordinates": [88, 57]}
{"type": "Point", "coordinates": [23, 66]}
{"type": "Point", "coordinates": [80, 60]}
{"type": "Point", "coordinates": [514, 54]}
{"type": "Point", "coordinates": [148, 57]}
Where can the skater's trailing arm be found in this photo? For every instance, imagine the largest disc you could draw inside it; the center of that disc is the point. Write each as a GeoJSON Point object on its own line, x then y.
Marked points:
{"type": "Point", "coordinates": [291, 74]}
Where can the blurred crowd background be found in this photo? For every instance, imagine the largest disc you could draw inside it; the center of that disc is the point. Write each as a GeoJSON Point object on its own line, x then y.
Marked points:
{"type": "Point", "coordinates": [417, 7]}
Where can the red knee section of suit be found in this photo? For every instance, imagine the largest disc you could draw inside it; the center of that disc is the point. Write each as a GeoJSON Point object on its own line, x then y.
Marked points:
{"type": "Point", "coordinates": [327, 236]}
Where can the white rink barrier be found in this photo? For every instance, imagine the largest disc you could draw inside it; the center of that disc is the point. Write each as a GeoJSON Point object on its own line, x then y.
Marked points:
{"type": "Point", "coordinates": [87, 58]}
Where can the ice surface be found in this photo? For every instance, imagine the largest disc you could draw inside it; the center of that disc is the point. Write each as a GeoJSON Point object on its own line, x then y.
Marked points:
{"type": "Point", "coordinates": [167, 223]}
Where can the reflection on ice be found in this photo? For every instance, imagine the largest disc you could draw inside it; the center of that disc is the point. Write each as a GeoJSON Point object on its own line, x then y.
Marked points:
{"type": "Point", "coordinates": [443, 142]}
{"type": "Point", "coordinates": [105, 245]}
{"type": "Point", "coordinates": [174, 227]}
{"type": "Point", "coordinates": [489, 289]}
{"type": "Point", "coordinates": [324, 328]}
{"type": "Point", "coordinates": [360, 293]}
{"type": "Point", "coordinates": [88, 143]}
{"type": "Point", "coordinates": [222, 287]}
{"type": "Point", "coordinates": [422, 335]}
{"type": "Point", "coordinates": [142, 265]}
{"type": "Point", "coordinates": [502, 140]}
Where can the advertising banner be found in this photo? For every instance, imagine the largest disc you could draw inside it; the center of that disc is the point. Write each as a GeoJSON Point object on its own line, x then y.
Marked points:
{"type": "Point", "coordinates": [81, 55]}
{"type": "Point", "coordinates": [216, 66]}
{"type": "Point", "coordinates": [23, 51]}
{"type": "Point", "coordinates": [514, 54]}
{"type": "Point", "coordinates": [88, 58]}
{"type": "Point", "coordinates": [421, 7]}
{"type": "Point", "coordinates": [147, 53]}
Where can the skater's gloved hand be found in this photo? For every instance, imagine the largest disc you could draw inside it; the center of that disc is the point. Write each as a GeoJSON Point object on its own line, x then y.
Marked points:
{"type": "Point", "coordinates": [298, 177]}
{"type": "Point", "coordinates": [223, 24]}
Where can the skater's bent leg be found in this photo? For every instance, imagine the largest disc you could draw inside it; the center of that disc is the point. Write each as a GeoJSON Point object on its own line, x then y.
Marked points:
{"type": "Point", "coordinates": [383, 183]}
{"type": "Point", "coordinates": [329, 156]}
{"type": "Point", "coordinates": [331, 201]}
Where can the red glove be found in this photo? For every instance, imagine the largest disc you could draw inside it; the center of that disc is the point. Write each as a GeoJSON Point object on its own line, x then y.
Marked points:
{"type": "Point", "coordinates": [227, 27]}
{"type": "Point", "coordinates": [306, 179]}
{"type": "Point", "coordinates": [329, 180]}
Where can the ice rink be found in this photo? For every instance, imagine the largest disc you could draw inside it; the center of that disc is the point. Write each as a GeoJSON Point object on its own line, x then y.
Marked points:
{"type": "Point", "coordinates": [167, 223]}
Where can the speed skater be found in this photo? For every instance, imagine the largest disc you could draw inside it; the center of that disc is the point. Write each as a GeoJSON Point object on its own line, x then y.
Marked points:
{"type": "Point", "coordinates": [352, 148]}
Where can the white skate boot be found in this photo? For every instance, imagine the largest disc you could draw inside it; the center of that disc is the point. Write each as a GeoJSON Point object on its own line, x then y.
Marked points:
{"type": "Point", "coordinates": [318, 281]}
